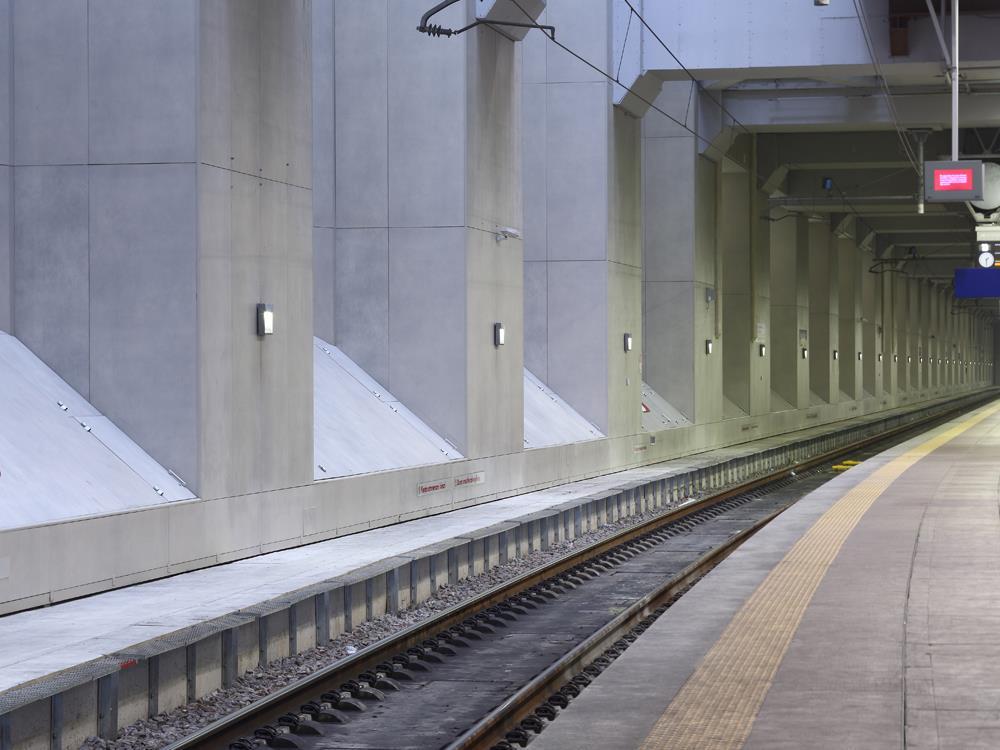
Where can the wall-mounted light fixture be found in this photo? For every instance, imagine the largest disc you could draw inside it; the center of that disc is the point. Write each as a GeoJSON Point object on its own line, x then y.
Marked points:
{"type": "Point", "coordinates": [859, 356]}
{"type": "Point", "coordinates": [499, 335]}
{"type": "Point", "coordinates": [909, 359]}
{"type": "Point", "coordinates": [880, 356]}
{"type": "Point", "coordinates": [762, 350]}
{"type": "Point", "coordinates": [895, 358]}
{"type": "Point", "coordinates": [805, 353]}
{"type": "Point", "coordinates": [836, 354]}
{"type": "Point", "coordinates": [265, 319]}
{"type": "Point", "coordinates": [628, 342]}
{"type": "Point", "coordinates": [708, 346]}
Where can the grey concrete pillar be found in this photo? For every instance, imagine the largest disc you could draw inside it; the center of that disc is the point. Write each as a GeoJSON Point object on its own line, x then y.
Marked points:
{"type": "Point", "coordinates": [415, 179]}
{"type": "Point", "coordinates": [871, 330]}
{"type": "Point", "coordinates": [6, 173]}
{"type": "Point", "coordinates": [824, 305]}
{"type": "Point", "coordinates": [158, 199]}
{"type": "Point", "coordinates": [583, 270]}
{"type": "Point", "coordinates": [849, 339]}
{"type": "Point", "coordinates": [680, 281]}
{"type": "Point", "coordinates": [789, 309]}
{"type": "Point", "coordinates": [734, 228]}
{"type": "Point", "coordinates": [890, 357]}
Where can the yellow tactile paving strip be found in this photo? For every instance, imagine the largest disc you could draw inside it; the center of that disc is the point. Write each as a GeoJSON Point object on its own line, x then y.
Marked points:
{"type": "Point", "coordinates": [717, 706]}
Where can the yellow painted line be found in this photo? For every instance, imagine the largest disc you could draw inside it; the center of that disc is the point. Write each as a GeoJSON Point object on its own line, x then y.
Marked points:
{"type": "Point", "coordinates": [840, 467]}
{"type": "Point", "coordinates": [716, 707]}
{"type": "Point", "coordinates": [850, 463]}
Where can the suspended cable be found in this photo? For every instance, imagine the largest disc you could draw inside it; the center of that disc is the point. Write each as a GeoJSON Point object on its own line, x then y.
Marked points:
{"type": "Point", "coordinates": [884, 84]}
{"type": "Point", "coordinates": [701, 87]}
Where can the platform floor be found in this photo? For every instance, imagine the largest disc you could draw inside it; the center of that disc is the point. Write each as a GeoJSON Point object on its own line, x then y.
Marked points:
{"type": "Point", "coordinates": [866, 616]}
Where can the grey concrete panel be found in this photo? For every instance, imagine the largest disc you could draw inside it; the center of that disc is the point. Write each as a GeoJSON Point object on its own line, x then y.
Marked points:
{"type": "Point", "coordinates": [362, 141]}
{"type": "Point", "coordinates": [427, 327]}
{"type": "Point", "coordinates": [577, 171]}
{"type": "Point", "coordinates": [6, 250]}
{"type": "Point", "coordinates": [323, 112]}
{"type": "Point", "coordinates": [585, 27]}
{"type": "Point", "coordinates": [143, 81]}
{"type": "Point", "coordinates": [360, 427]}
{"type": "Point", "coordinates": [51, 269]}
{"type": "Point", "coordinates": [533, 52]}
{"type": "Point", "coordinates": [215, 91]}
{"type": "Point", "coordinates": [243, 32]}
{"type": "Point", "coordinates": [493, 140]}
{"type": "Point", "coordinates": [6, 84]}
{"type": "Point", "coordinates": [494, 374]}
{"type": "Point", "coordinates": [361, 299]}
{"type": "Point", "coordinates": [625, 175]}
{"type": "Point", "coordinates": [143, 325]}
{"type": "Point", "coordinates": [536, 321]}
{"type": "Point", "coordinates": [668, 342]}
{"type": "Point", "coordinates": [284, 43]}
{"type": "Point", "coordinates": [624, 368]}
{"type": "Point", "coordinates": [533, 170]}
{"type": "Point", "coordinates": [578, 335]}
{"type": "Point", "coordinates": [50, 81]}
{"type": "Point", "coordinates": [669, 209]}
{"type": "Point", "coordinates": [323, 283]}
{"type": "Point", "coordinates": [427, 122]}
{"type": "Point", "coordinates": [548, 420]}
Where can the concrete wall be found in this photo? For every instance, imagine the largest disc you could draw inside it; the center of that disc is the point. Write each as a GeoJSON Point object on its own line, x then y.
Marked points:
{"type": "Point", "coordinates": [104, 195]}
{"type": "Point", "coordinates": [254, 245]}
{"type": "Point", "coordinates": [150, 219]}
{"type": "Point", "coordinates": [582, 223]}
{"type": "Point", "coordinates": [6, 173]}
{"type": "Point", "coordinates": [416, 165]}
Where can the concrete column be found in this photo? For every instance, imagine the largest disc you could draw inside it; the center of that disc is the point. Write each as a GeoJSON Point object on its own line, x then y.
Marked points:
{"type": "Point", "coordinates": [789, 309]}
{"type": "Point", "coordinates": [6, 173]}
{"type": "Point", "coordinates": [736, 224]}
{"type": "Point", "coordinates": [871, 329]}
{"type": "Point", "coordinates": [584, 279]}
{"type": "Point", "coordinates": [901, 323]}
{"type": "Point", "coordinates": [849, 338]}
{"type": "Point", "coordinates": [680, 306]}
{"type": "Point", "coordinates": [890, 355]}
{"type": "Point", "coordinates": [824, 306]}
{"type": "Point", "coordinates": [418, 171]}
{"type": "Point", "coordinates": [254, 239]}
{"type": "Point", "coordinates": [158, 199]}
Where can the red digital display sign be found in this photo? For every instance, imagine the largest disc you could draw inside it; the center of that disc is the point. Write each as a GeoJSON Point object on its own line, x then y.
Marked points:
{"type": "Point", "coordinates": [953, 179]}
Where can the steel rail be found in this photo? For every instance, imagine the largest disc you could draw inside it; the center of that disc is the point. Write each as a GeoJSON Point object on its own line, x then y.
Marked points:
{"type": "Point", "coordinates": [289, 699]}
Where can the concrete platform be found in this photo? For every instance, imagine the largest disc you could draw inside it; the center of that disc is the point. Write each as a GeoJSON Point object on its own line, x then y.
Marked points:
{"type": "Point", "coordinates": [92, 665]}
{"type": "Point", "coordinates": [866, 616]}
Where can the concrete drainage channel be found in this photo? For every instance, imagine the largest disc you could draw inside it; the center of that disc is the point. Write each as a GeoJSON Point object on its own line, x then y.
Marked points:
{"type": "Point", "coordinates": [528, 647]}
{"type": "Point", "coordinates": [163, 674]}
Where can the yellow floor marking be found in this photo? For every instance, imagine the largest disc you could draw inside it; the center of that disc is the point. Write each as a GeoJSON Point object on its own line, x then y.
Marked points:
{"type": "Point", "coordinates": [717, 706]}
{"type": "Point", "coordinates": [840, 467]}
{"type": "Point", "coordinates": [850, 463]}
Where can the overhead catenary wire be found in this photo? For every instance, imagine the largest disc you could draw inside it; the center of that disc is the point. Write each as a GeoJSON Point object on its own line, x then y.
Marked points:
{"type": "Point", "coordinates": [884, 85]}
{"type": "Point", "coordinates": [701, 87]}
{"type": "Point", "coordinates": [617, 81]}
{"type": "Point", "coordinates": [711, 145]}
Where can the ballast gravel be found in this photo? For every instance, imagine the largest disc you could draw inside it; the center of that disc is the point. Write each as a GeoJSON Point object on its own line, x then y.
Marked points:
{"type": "Point", "coordinates": [170, 726]}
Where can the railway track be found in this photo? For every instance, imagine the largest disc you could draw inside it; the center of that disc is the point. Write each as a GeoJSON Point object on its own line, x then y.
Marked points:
{"type": "Point", "coordinates": [494, 670]}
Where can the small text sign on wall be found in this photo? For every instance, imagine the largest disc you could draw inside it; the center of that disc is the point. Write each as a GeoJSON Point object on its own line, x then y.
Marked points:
{"type": "Point", "coordinates": [440, 485]}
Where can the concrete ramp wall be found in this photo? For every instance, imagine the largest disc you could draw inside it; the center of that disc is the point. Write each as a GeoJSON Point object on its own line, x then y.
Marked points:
{"type": "Point", "coordinates": [360, 427]}
{"type": "Point", "coordinates": [548, 420]}
{"type": "Point", "coordinates": [60, 457]}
